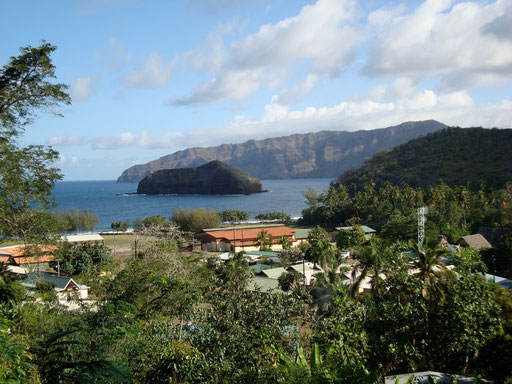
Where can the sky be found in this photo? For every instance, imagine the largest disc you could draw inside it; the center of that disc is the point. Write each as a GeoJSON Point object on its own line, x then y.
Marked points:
{"type": "Point", "coordinates": [150, 77]}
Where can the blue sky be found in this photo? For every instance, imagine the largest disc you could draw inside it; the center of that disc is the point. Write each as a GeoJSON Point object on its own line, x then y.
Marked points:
{"type": "Point", "coordinates": [150, 77]}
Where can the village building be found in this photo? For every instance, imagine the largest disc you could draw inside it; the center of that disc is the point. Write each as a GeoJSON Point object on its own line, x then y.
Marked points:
{"type": "Point", "coordinates": [28, 256]}
{"type": "Point", "coordinates": [476, 241]}
{"type": "Point", "coordinates": [243, 238]}
{"type": "Point", "coordinates": [64, 287]}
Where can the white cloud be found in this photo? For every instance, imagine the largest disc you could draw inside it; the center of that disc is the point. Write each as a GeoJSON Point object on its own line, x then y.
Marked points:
{"type": "Point", "coordinates": [455, 108]}
{"type": "Point", "coordinates": [152, 72]}
{"type": "Point", "coordinates": [298, 91]}
{"type": "Point", "coordinates": [143, 139]}
{"type": "Point", "coordinates": [82, 88]}
{"type": "Point", "coordinates": [66, 140]}
{"type": "Point", "coordinates": [458, 43]}
{"type": "Point", "coordinates": [321, 36]}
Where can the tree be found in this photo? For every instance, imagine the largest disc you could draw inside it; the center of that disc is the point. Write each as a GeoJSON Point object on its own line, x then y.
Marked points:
{"type": "Point", "coordinates": [26, 174]}
{"type": "Point", "coordinates": [196, 219]}
{"type": "Point", "coordinates": [234, 215]}
{"type": "Point", "coordinates": [349, 238]}
{"type": "Point", "coordinates": [75, 220]}
{"type": "Point", "coordinates": [25, 89]}
{"type": "Point", "coordinates": [428, 261]}
{"type": "Point", "coordinates": [264, 240]}
{"type": "Point", "coordinates": [277, 216]}
{"type": "Point", "coordinates": [120, 226]}
{"type": "Point", "coordinates": [321, 251]}
{"type": "Point", "coordinates": [311, 196]}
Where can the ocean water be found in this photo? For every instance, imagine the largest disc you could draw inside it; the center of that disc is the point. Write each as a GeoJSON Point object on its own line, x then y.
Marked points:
{"type": "Point", "coordinates": [111, 202]}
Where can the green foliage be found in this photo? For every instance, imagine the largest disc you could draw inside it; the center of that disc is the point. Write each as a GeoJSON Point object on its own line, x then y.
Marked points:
{"type": "Point", "coordinates": [350, 238]}
{"type": "Point", "coordinates": [196, 219]}
{"type": "Point", "coordinates": [455, 156]}
{"type": "Point", "coordinates": [264, 240]}
{"type": "Point", "coordinates": [15, 358]}
{"type": "Point", "coordinates": [25, 89]}
{"type": "Point", "coordinates": [392, 210]}
{"type": "Point", "coordinates": [233, 215]}
{"type": "Point", "coordinates": [26, 174]}
{"type": "Point", "coordinates": [320, 250]}
{"type": "Point", "coordinates": [120, 226]}
{"type": "Point", "coordinates": [311, 196]}
{"type": "Point", "coordinates": [273, 216]}
{"type": "Point", "coordinates": [73, 259]}
{"type": "Point", "coordinates": [75, 220]}
{"type": "Point", "coordinates": [292, 255]}
{"type": "Point", "coordinates": [155, 221]}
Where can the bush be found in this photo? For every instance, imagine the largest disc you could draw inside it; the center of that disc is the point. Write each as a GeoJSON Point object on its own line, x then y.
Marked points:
{"type": "Point", "coordinates": [196, 219]}
{"type": "Point", "coordinates": [234, 215]}
{"type": "Point", "coordinates": [278, 216]}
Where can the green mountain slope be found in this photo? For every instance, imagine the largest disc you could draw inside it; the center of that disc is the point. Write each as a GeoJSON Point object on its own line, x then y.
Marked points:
{"type": "Point", "coordinates": [455, 156]}
{"type": "Point", "coordinates": [319, 154]}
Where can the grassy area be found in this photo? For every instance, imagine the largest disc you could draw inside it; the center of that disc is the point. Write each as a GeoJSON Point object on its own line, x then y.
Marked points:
{"type": "Point", "coordinates": [118, 239]}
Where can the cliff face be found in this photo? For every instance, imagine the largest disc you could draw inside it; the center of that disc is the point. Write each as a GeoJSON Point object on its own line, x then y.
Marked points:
{"type": "Point", "coordinates": [213, 178]}
{"type": "Point", "coordinates": [320, 154]}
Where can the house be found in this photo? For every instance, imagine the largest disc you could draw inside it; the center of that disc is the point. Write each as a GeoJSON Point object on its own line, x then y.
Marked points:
{"type": "Point", "coordinates": [84, 238]}
{"type": "Point", "coordinates": [476, 241]}
{"type": "Point", "coordinates": [63, 285]}
{"type": "Point", "coordinates": [368, 232]}
{"type": "Point", "coordinates": [27, 255]}
{"type": "Point", "coordinates": [242, 238]}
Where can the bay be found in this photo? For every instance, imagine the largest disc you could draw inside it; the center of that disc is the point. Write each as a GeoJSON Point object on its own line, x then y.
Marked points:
{"type": "Point", "coordinates": [111, 202]}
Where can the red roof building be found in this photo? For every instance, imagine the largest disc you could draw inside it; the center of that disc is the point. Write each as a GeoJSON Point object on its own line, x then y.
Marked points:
{"type": "Point", "coordinates": [242, 238]}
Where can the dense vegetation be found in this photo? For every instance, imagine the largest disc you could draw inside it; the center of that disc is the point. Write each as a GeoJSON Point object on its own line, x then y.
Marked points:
{"type": "Point", "coordinates": [213, 178]}
{"type": "Point", "coordinates": [453, 156]}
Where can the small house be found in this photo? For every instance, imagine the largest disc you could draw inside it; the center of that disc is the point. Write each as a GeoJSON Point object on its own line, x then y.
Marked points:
{"type": "Point", "coordinates": [476, 241]}
{"type": "Point", "coordinates": [62, 285]}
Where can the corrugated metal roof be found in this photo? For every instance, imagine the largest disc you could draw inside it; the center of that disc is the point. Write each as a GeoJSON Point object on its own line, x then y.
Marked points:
{"type": "Point", "coordinates": [263, 253]}
{"type": "Point", "coordinates": [61, 282]}
{"type": "Point", "coordinates": [264, 284]}
{"type": "Point", "coordinates": [365, 228]}
{"type": "Point", "coordinates": [82, 238]}
{"type": "Point", "coordinates": [250, 233]}
{"type": "Point", "coordinates": [274, 273]}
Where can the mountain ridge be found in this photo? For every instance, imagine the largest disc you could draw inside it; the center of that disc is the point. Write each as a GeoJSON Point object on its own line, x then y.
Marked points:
{"type": "Point", "coordinates": [454, 156]}
{"type": "Point", "coordinates": [314, 154]}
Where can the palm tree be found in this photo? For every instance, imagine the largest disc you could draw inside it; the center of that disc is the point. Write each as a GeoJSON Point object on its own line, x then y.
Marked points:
{"type": "Point", "coordinates": [326, 287]}
{"type": "Point", "coordinates": [264, 240]}
{"type": "Point", "coordinates": [284, 241]}
{"type": "Point", "coordinates": [370, 262]}
{"type": "Point", "coordinates": [431, 268]}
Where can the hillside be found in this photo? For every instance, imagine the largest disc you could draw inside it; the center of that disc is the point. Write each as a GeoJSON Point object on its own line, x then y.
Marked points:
{"type": "Point", "coordinates": [320, 154]}
{"type": "Point", "coordinates": [213, 178]}
{"type": "Point", "coordinates": [455, 156]}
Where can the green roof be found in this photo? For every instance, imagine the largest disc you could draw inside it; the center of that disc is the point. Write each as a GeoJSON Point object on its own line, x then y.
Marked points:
{"type": "Point", "coordinates": [60, 282]}
{"type": "Point", "coordinates": [365, 228]}
{"type": "Point", "coordinates": [256, 268]}
{"type": "Point", "coordinates": [243, 227]}
{"type": "Point", "coordinates": [263, 253]}
{"type": "Point", "coordinates": [264, 284]}
{"type": "Point", "coordinates": [302, 233]}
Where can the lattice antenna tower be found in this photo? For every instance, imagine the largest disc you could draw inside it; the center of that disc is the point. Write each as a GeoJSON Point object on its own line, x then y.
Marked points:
{"type": "Point", "coordinates": [422, 211]}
